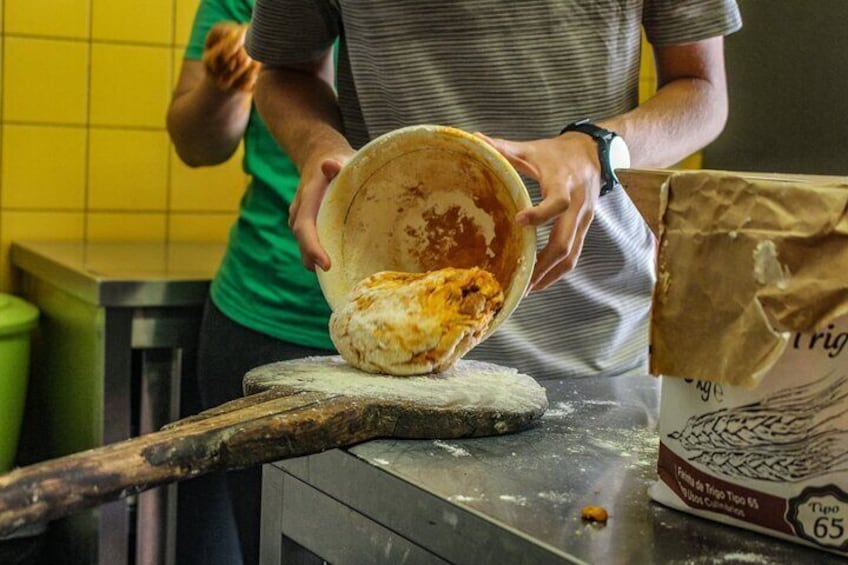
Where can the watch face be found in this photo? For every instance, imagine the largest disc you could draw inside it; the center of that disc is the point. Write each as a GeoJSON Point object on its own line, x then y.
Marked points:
{"type": "Point", "coordinates": [612, 152]}
{"type": "Point", "coordinates": [619, 155]}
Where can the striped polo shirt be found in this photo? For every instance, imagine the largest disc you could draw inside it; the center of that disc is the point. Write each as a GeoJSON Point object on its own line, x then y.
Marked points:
{"type": "Point", "coordinates": [520, 70]}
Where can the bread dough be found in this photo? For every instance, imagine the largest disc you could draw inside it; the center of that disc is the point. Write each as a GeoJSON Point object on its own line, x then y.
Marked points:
{"type": "Point", "coordinates": [415, 323]}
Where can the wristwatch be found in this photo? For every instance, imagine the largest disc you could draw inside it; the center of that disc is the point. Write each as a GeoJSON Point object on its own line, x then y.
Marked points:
{"type": "Point", "coordinates": [612, 151]}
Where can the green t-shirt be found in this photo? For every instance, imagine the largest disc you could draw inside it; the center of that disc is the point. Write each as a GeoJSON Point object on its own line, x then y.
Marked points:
{"type": "Point", "coordinates": [261, 282]}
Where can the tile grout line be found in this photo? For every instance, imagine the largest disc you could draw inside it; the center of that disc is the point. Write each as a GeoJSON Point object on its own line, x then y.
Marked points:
{"type": "Point", "coordinates": [90, 39]}
{"type": "Point", "coordinates": [87, 168]}
{"type": "Point", "coordinates": [119, 211]}
{"type": "Point", "coordinates": [70, 125]}
{"type": "Point", "coordinates": [7, 256]}
{"type": "Point", "coordinates": [39, 209]}
{"type": "Point", "coordinates": [169, 159]}
{"type": "Point", "coordinates": [2, 107]}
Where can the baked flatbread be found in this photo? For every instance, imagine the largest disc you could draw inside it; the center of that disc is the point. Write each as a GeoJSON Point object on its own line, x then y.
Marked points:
{"type": "Point", "coordinates": [413, 323]}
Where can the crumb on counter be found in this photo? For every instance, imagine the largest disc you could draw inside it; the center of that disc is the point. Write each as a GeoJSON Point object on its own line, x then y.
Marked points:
{"type": "Point", "coordinates": [594, 514]}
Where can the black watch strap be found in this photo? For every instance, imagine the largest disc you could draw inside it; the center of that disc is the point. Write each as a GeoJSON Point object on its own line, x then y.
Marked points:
{"type": "Point", "coordinates": [602, 137]}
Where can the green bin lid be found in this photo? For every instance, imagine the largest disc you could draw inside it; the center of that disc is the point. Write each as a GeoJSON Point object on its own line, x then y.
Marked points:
{"type": "Point", "coordinates": [16, 315]}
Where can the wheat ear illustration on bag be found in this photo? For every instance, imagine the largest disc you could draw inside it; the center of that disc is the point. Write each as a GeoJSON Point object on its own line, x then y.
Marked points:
{"type": "Point", "coordinates": [789, 436]}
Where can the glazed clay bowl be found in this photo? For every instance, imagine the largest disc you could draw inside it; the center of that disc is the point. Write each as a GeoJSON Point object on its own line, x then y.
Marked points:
{"type": "Point", "coordinates": [422, 198]}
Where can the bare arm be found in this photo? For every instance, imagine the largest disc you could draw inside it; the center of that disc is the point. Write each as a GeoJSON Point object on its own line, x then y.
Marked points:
{"type": "Point", "coordinates": [688, 111]}
{"type": "Point", "coordinates": [299, 105]}
{"type": "Point", "coordinates": [210, 106]}
{"type": "Point", "coordinates": [301, 110]}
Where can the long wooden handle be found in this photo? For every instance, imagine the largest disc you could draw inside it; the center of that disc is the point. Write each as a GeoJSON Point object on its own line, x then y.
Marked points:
{"type": "Point", "coordinates": [264, 427]}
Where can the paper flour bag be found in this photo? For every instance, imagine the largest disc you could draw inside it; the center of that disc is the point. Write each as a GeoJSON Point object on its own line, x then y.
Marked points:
{"type": "Point", "coordinates": [750, 322]}
{"type": "Point", "coordinates": [773, 459]}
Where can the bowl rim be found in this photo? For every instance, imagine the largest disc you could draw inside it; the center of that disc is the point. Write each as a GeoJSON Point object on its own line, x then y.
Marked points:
{"type": "Point", "coordinates": [331, 285]}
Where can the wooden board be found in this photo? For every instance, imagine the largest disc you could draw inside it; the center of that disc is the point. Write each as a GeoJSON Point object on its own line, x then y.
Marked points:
{"type": "Point", "coordinates": [292, 408]}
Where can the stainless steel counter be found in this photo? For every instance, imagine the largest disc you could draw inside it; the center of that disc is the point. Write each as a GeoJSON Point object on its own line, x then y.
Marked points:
{"type": "Point", "coordinates": [511, 499]}
{"type": "Point", "coordinates": [123, 274]}
{"type": "Point", "coordinates": [118, 322]}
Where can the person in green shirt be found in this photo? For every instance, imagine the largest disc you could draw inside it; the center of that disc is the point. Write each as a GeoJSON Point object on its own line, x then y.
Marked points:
{"type": "Point", "coordinates": [264, 306]}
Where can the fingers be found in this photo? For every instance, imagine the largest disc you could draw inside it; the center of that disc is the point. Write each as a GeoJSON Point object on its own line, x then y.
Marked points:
{"type": "Point", "coordinates": [225, 58]}
{"type": "Point", "coordinates": [518, 154]}
{"type": "Point", "coordinates": [294, 208]}
{"type": "Point", "coordinates": [233, 43]}
{"type": "Point", "coordinates": [523, 156]}
{"type": "Point", "coordinates": [219, 41]}
{"type": "Point", "coordinates": [559, 246]}
{"type": "Point", "coordinates": [568, 260]}
{"type": "Point", "coordinates": [243, 76]}
{"type": "Point", "coordinates": [570, 204]}
{"type": "Point", "coordinates": [225, 32]}
{"type": "Point", "coordinates": [215, 35]}
{"type": "Point", "coordinates": [304, 211]}
{"type": "Point", "coordinates": [549, 208]}
{"type": "Point", "coordinates": [302, 222]}
{"type": "Point", "coordinates": [563, 248]}
{"type": "Point", "coordinates": [248, 82]}
{"type": "Point", "coordinates": [330, 168]}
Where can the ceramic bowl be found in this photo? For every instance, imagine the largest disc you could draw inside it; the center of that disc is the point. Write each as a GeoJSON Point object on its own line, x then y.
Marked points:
{"type": "Point", "coordinates": [422, 198]}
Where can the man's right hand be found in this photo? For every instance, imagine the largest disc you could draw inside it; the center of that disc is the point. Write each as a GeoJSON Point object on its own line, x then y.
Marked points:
{"type": "Point", "coordinates": [303, 212]}
{"type": "Point", "coordinates": [226, 62]}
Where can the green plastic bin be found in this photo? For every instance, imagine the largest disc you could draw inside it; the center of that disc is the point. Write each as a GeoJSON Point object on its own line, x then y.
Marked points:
{"type": "Point", "coordinates": [17, 319]}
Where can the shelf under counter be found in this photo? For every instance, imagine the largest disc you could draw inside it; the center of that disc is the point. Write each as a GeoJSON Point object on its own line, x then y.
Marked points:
{"type": "Point", "coordinates": [123, 274]}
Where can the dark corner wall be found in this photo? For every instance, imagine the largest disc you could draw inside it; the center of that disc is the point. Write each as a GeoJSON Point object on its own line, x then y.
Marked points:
{"type": "Point", "coordinates": [788, 81]}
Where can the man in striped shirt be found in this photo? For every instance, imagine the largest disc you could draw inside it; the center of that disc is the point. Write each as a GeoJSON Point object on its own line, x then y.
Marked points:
{"type": "Point", "coordinates": [519, 72]}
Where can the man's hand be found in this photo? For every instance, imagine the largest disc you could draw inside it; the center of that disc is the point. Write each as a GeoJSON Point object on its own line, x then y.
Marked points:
{"type": "Point", "coordinates": [568, 172]}
{"type": "Point", "coordinates": [226, 61]}
{"type": "Point", "coordinates": [314, 179]}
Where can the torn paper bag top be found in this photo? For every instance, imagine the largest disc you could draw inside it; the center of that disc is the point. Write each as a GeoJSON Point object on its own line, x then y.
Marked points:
{"type": "Point", "coordinates": [743, 262]}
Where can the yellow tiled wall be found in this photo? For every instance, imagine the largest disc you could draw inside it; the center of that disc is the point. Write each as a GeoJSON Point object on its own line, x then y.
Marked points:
{"type": "Point", "coordinates": [84, 153]}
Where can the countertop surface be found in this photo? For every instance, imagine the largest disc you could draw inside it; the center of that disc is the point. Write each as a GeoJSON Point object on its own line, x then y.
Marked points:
{"type": "Point", "coordinates": [123, 273]}
{"type": "Point", "coordinates": [597, 444]}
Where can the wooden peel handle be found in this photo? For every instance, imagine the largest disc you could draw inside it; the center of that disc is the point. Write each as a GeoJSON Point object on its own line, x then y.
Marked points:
{"type": "Point", "coordinates": [256, 429]}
